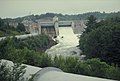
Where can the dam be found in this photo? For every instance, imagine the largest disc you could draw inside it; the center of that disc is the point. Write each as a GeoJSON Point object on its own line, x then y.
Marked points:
{"type": "Point", "coordinates": [50, 28]}
{"type": "Point", "coordinates": [67, 40]}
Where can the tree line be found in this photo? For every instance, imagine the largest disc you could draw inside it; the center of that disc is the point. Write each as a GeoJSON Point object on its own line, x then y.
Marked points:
{"type": "Point", "coordinates": [7, 30]}
{"type": "Point", "coordinates": [84, 16]}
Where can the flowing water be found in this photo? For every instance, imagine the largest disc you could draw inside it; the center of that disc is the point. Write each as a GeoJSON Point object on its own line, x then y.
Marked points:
{"type": "Point", "coordinates": [67, 43]}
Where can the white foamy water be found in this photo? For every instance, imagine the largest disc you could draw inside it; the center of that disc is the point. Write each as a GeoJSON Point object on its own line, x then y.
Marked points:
{"type": "Point", "coordinates": [67, 43]}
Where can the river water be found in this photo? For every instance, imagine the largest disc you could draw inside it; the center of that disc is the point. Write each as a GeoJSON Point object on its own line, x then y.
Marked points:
{"type": "Point", "coordinates": [67, 45]}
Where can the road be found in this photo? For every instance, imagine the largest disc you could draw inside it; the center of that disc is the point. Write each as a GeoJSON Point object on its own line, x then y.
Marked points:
{"type": "Point", "coordinates": [21, 36]}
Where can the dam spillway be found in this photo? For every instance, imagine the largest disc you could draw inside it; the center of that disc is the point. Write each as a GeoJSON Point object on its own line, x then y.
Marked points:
{"type": "Point", "coordinates": [67, 43]}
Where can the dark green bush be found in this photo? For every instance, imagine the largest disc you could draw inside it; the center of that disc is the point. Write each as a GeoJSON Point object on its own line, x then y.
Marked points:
{"type": "Point", "coordinates": [91, 67]}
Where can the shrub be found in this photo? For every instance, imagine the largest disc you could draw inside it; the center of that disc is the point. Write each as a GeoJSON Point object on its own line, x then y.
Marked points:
{"type": "Point", "coordinates": [14, 73]}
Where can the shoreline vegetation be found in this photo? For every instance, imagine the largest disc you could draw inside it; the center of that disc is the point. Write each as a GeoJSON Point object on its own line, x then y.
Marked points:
{"type": "Point", "coordinates": [8, 30]}
{"type": "Point", "coordinates": [23, 51]}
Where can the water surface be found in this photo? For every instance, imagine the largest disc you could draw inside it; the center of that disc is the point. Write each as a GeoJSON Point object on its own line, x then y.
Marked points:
{"type": "Point", "coordinates": [67, 43]}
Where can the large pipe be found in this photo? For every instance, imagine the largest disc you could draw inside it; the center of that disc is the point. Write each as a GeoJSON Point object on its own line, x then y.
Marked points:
{"type": "Point", "coordinates": [54, 74]}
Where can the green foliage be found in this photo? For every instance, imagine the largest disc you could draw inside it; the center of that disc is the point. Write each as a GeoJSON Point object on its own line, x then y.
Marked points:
{"type": "Point", "coordinates": [66, 64]}
{"type": "Point", "coordinates": [90, 24]}
{"type": "Point", "coordinates": [20, 27]}
{"type": "Point", "coordinates": [40, 43]}
{"type": "Point", "coordinates": [14, 73]}
{"type": "Point", "coordinates": [37, 59]}
{"type": "Point", "coordinates": [29, 50]}
{"type": "Point", "coordinates": [7, 30]}
{"type": "Point", "coordinates": [1, 33]}
{"type": "Point", "coordinates": [94, 67]}
{"type": "Point", "coordinates": [91, 67]}
{"type": "Point", "coordinates": [103, 41]}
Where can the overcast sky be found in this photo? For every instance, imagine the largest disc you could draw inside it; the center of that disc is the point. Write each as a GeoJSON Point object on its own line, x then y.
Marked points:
{"type": "Point", "coordinates": [15, 8]}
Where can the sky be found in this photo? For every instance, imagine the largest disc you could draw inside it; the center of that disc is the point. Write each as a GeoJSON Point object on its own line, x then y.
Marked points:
{"type": "Point", "coordinates": [18, 8]}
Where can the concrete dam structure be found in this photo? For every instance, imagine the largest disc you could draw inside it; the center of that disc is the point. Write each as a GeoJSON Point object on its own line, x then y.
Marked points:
{"type": "Point", "coordinates": [50, 28]}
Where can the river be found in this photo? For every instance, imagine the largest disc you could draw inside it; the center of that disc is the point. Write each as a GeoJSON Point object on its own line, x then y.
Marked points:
{"type": "Point", "coordinates": [68, 42]}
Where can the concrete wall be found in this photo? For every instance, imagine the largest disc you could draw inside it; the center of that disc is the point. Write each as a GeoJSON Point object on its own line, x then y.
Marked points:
{"type": "Point", "coordinates": [50, 31]}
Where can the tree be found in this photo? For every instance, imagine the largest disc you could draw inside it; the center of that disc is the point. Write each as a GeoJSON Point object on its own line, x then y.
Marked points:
{"type": "Point", "coordinates": [90, 24]}
{"type": "Point", "coordinates": [20, 27]}
{"type": "Point", "coordinates": [103, 42]}
{"type": "Point", "coordinates": [1, 23]}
